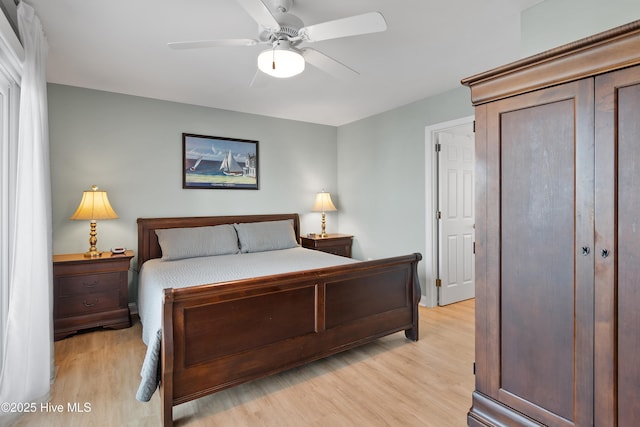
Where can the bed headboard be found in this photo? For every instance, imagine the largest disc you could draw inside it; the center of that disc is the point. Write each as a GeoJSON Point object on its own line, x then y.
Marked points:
{"type": "Point", "coordinates": [149, 248]}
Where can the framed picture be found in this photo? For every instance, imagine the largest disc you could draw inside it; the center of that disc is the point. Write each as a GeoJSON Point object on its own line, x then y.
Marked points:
{"type": "Point", "coordinates": [216, 162]}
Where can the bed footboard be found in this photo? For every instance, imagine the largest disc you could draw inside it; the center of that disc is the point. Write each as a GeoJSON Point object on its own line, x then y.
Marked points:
{"type": "Point", "coordinates": [218, 336]}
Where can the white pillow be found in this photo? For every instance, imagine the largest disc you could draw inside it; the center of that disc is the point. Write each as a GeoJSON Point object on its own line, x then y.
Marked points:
{"type": "Point", "coordinates": [191, 242]}
{"type": "Point", "coordinates": [266, 235]}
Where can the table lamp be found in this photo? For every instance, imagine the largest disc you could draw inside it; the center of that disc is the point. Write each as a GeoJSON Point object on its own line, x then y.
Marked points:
{"type": "Point", "coordinates": [93, 206]}
{"type": "Point", "coordinates": [323, 204]}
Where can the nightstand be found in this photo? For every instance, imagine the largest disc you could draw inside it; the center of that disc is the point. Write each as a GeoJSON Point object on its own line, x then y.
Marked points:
{"type": "Point", "coordinates": [337, 244]}
{"type": "Point", "coordinates": [90, 292]}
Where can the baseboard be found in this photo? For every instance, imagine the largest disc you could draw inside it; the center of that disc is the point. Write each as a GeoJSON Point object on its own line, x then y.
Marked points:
{"type": "Point", "coordinates": [423, 300]}
{"type": "Point", "coordinates": [133, 308]}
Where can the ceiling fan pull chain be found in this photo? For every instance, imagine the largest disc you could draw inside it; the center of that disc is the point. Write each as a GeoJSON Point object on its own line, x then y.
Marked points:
{"type": "Point", "coordinates": [273, 61]}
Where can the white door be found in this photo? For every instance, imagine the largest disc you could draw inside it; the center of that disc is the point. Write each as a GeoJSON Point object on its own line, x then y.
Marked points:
{"type": "Point", "coordinates": [456, 215]}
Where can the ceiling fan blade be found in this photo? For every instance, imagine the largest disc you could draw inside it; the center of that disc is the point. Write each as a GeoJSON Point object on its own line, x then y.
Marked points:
{"type": "Point", "coordinates": [372, 22]}
{"type": "Point", "coordinates": [212, 43]}
{"type": "Point", "coordinates": [328, 64]}
{"type": "Point", "coordinates": [261, 14]}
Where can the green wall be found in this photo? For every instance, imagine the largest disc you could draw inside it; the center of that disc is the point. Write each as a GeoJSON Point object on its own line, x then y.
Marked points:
{"type": "Point", "coordinates": [132, 147]}
{"type": "Point", "coordinates": [384, 179]}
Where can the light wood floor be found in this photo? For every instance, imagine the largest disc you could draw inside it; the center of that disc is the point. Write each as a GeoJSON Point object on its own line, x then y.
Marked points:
{"type": "Point", "coordinates": [391, 382]}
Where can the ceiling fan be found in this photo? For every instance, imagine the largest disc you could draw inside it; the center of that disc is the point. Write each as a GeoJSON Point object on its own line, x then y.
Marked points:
{"type": "Point", "coordinates": [285, 32]}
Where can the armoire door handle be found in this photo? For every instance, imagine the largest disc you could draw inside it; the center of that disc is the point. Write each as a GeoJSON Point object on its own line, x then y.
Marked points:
{"type": "Point", "coordinates": [605, 253]}
{"type": "Point", "coordinates": [586, 250]}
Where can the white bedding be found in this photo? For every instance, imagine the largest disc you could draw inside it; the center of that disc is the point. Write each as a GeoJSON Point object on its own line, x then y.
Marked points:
{"type": "Point", "coordinates": [157, 275]}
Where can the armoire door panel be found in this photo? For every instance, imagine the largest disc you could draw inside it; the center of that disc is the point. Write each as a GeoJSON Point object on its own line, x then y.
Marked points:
{"type": "Point", "coordinates": [618, 227]}
{"type": "Point", "coordinates": [544, 143]}
{"type": "Point", "coordinates": [629, 255]}
{"type": "Point", "coordinates": [538, 281]}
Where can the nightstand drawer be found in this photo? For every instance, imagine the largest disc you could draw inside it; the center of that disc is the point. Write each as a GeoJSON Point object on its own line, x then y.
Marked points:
{"type": "Point", "coordinates": [337, 244]}
{"type": "Point", "coordinates": [90, 283]}
{"type": "Point", "coordinates": [87, 304]}
{"type": "Point", "coordinates": [90, 292]}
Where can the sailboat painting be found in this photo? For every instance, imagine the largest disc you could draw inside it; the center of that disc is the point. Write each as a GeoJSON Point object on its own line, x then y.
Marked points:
{"type": "Point", "coordinates": [217, 162]}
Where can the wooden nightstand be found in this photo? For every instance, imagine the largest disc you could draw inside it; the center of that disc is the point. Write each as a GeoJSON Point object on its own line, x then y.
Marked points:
{"type": "Point", "coordinates": [90, 292]}
{"type": "Point", "coordinates": [337, 244]}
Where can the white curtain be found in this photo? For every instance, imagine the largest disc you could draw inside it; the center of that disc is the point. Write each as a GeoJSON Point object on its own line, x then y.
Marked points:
{"type": "Point", "coordinates": [26, 369]}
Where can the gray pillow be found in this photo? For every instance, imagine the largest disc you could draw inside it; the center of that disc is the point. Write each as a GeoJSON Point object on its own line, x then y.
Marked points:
{"type": "Point", "coordinates": [191, 242]}
{"type": "Point", "coordinates": [266, 235]}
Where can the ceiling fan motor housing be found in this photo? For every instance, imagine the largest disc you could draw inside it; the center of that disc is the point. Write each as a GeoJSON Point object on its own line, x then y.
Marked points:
{"type": "Point", "coordinates": [289, 24]}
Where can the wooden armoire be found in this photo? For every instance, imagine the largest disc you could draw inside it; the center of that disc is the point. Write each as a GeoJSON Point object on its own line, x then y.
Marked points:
{"type": "Point", "coordinates": [558, 236]}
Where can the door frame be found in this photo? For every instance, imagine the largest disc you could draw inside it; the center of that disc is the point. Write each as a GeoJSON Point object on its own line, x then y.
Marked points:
{"type": "Point", "coordinates": [430, 299]}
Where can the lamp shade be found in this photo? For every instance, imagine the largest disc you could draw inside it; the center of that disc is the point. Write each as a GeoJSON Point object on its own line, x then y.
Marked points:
{"type": "Point", "coordinates": [94, 205]}
{"type": "Point", "coordinates": [323, 203]}
{"type": "Point", "coordinates": [281, 61]}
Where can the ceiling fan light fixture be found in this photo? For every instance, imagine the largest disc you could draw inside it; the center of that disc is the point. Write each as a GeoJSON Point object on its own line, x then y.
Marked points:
{"type": "Point", "coordinates": [281, 62]}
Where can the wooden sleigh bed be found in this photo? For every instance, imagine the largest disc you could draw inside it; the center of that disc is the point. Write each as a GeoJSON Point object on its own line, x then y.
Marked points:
{"type": "Point", "coordinates": [219, 335]}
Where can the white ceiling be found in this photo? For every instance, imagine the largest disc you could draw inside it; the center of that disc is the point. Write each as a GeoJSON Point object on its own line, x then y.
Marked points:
{"type": "Point", "coordinates": [121, 46]}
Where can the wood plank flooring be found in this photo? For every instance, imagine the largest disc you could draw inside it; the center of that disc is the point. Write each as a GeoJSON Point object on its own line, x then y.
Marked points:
{"type": "Point", "coordinates": [391, 382]}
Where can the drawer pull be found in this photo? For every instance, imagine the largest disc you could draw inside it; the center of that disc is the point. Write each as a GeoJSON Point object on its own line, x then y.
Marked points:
{"type": "Point", "coordinates": [90, 305]}
{"type": "Point", "coordinates": [90, 284]}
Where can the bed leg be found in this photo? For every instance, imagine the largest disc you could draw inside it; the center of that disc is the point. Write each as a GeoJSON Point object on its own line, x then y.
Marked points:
{"type": "Point", "coordinates": [411, 334]}
{"type": "Point", "coordinates": [167, 415]}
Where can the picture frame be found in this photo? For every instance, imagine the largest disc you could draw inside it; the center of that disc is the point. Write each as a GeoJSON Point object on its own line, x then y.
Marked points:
{"type": "Point", "coordinates": [214, 162]}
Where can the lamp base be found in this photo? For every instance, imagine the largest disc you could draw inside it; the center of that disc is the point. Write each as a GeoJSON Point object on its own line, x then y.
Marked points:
{"type": "Point", "coordinates": [323, 233]}
{"type": "Point", "coordinates": [93, 254]}
{"type": "Point", "coordinates": [93, 240]}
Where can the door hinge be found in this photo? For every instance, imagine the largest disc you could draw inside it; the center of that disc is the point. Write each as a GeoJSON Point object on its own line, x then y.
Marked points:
{"type": "Point", "coordinates": [474, 126]}
{"type": "Point", "coordinates": [474, 368]}
{"type": "Point", "coordinates": [438, 147]}
{"type": "Point", "coordinates": [474, 248]}
{"type": "Point", "coordinates": [439, 215]}
{"type": "Point", "coordinates": [438, 283]}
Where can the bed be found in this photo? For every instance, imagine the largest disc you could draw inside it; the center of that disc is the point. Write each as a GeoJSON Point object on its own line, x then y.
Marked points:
{"type": "Point", "coordinates": [213, 334]}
